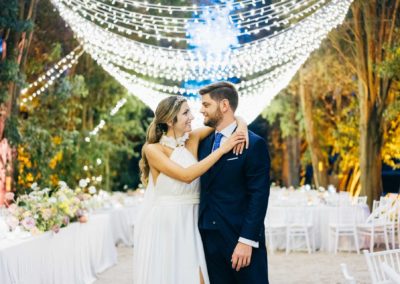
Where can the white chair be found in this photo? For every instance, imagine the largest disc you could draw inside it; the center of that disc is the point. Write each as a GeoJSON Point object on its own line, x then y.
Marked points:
{"type": "Point", "coordinates": [375, 205]}
{"type": "Point", "coordinates": [392, 221]}
{"type": "Point", "coordinates": [360, 200]}
{"type": "Point", "coordinates": [300, 227]}
{"type": "Point", "coordinates": [344, 226]}
{"type": "Point", "coordinates": [275, 226]}
{"type": "Point", "coordinates": [349, 279]}
{"type": "Point", "coordinates": [390, 273]}
{"type": "Point", "coordinates": [386, 200]}
{"type": "Point", "coordinates": [375, 226]}
{"type": "Point", "coordinates": [384, 266]}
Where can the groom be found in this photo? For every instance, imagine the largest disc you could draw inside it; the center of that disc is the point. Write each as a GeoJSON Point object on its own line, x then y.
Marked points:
{"type": "Point", "coordinates": [234, 196]}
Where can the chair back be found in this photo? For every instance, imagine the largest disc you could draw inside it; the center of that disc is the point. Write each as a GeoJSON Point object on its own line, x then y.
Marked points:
{"type": "Point", "coordinates": [375, 260]}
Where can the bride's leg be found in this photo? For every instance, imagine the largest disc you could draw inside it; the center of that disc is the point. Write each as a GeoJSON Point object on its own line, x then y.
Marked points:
{"type": "Point", "coordinates": [201, 276]}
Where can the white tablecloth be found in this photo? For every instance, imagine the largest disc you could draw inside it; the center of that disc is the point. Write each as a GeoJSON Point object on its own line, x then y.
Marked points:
{"type": "Point", "coordinates": [322, 216]}
{"type": "Point", "coordinates": [73, 256]}
{"type": "Point", "coordinates": [122, 224]}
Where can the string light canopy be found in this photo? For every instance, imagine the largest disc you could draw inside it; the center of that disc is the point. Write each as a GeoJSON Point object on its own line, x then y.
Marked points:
{"type": "Point", "coordinates": [157, 50]}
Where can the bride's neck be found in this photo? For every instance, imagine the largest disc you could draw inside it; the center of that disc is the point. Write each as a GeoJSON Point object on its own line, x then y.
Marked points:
{"type": "Point", "coordinates": [174, 134]}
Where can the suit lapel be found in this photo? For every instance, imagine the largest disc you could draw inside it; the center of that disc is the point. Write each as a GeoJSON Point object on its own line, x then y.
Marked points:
{"type": "Point", "coordinates": [212, 173]}
{"type": "Point", "coordinates": [205, 150]}
{"type": "Point", "coordinates": [207, 146]}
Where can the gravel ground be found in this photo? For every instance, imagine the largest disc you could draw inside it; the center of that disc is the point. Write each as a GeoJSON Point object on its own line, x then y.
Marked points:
{"type": "Point", "coordinates": [297, 267]}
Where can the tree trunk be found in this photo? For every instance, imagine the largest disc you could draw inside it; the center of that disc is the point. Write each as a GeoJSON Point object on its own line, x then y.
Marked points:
{"type": "Point", "coordinates": [373, 27]}
{"type": "Point", "coordinates": [317, 158]}
{"type": "Point", "coordinates": [107, 172]}
{"type": "Point", "coordinates": [293, 157]}
{"type": "Point", "coordinates": [370, 149]}
{"type": "Point", "coordinates": [285, 164]}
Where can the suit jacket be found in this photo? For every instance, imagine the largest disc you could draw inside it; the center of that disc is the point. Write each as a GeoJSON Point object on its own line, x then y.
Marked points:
{"type": "Point", "coordinates": [234, 192]}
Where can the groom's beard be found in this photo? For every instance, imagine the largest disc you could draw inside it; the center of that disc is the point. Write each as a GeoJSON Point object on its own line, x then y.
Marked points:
{"type": "Point", "coordinates": [214, 120]}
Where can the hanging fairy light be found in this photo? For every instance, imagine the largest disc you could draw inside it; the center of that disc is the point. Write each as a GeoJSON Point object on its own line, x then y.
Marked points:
{"type": "Point", "coordinates": [102, 122]}
{"type": "Point", "coordinates": [118, 106]}
{"type": "Point", "coordinates": [154, 54]}
{"type": "Point", "coordinates": [47, 79]}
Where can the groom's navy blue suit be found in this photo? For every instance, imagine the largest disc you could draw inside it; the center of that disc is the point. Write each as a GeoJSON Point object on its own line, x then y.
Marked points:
{"type": "Point", "coordinates": [233, 204]}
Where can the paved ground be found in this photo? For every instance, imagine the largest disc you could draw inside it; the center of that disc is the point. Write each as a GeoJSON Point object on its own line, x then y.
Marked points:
{"type": "Point", "coordinates": [295, 268]}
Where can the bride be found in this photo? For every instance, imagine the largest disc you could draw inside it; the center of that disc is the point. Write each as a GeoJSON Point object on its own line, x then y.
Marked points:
{"type": "Point", "coordinates": [168, 247]}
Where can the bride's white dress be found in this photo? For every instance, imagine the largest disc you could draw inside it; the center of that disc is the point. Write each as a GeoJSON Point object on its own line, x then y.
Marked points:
{"type": "Point", "coordinates": [167, 245]}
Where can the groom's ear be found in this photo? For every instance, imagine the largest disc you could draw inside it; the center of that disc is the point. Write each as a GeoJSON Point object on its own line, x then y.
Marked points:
{"type": "Point", "coordinates": [224, 105]}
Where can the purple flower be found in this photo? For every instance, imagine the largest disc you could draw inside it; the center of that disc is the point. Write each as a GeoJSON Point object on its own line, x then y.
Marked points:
{"type": "Point", "coordinates": [65, 220]}
{"type": "Point", "coordinates": [28, 223]}
{"type": "Point", "coordinates": [79, 213]}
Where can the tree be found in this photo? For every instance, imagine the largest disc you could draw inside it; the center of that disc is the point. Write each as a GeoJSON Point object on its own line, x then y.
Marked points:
{"type": "Point", "coordinates": [364, 42]}
{"type": "Point", "coordinates": [283, 116]}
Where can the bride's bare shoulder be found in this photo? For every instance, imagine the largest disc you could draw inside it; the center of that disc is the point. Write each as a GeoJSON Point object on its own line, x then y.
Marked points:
{"type": "Point", "coordinates": [156, 149]}
{"type": "Point", "coordinates": [153, 147]}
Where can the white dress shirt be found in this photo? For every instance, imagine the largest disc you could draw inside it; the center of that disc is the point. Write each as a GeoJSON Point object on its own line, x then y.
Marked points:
{"type": "Point", "coordinates": [227, 132]}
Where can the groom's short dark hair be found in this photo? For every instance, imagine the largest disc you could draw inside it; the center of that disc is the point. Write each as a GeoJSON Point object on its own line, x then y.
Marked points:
{"type": "Point", "coordinates": [222, 90]}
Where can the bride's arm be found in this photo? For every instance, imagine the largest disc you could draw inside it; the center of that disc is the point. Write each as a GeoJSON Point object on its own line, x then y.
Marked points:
{"type": "Point", "coordinates": [160, 161]}
{"type": "Point", "coordinates": [201, 133]}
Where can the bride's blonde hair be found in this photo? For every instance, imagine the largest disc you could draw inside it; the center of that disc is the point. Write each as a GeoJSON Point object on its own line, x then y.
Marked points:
{"type": "Point", "coordinates": [166, 111]}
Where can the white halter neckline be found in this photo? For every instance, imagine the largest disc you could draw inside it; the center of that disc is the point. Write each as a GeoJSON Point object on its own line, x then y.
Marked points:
{"type": "Point", "coordinates": [172, 142]}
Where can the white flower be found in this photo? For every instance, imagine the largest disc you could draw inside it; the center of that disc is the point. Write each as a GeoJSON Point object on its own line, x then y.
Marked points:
{"type": "Point", "coordinates": [92, 190]}
{"type": "Point", "coordinates": [83, 183]}
{"type": "Point", "coordinates": [34, 186]}
{"type": "Point", "coordinates": [62, 184]}
{"type": "Point", "coordinates": [62, 197]}
{"type": "Point", "coordinates": [52, 200]}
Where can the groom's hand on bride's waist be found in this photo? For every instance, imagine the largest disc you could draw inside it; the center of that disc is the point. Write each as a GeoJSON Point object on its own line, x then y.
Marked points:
{"type": "Point", "coordinates": [241, 256]}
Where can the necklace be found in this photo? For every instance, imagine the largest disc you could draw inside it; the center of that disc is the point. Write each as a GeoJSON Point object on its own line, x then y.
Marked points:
{"type": "Point", "coordinates": [172, 142]}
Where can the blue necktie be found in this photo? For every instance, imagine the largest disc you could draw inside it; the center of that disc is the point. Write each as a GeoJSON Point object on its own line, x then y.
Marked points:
{"type": "Point", "coordinates": [217, 141]}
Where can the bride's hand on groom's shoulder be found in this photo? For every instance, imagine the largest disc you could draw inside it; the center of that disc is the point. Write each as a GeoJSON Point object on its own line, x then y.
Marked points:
{"type": "Point", "coordinates": [236, 139]}
{"type": "Point", "coordinates": [238, 149]}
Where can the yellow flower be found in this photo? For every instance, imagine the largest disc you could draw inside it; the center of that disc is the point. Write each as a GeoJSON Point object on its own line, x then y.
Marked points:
{"type": "Point", "coordinates": [55, 160]}
{"type": "Point", "coordinates": [57, 140]}
{"type": "Point", "coordinates": [54, 179]}
{"type": "Point", "coordinates": [29, 177]}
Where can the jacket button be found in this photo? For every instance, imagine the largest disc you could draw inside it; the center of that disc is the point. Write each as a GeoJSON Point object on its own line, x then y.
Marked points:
{"type": "Point", "coordinates": [214, 222]}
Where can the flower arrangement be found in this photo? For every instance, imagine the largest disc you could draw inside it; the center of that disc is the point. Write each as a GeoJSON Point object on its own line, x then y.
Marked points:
{"type": "Point", "coordinates": [44, 209]}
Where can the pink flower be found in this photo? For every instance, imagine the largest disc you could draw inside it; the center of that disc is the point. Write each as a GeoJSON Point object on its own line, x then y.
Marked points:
{"type": "Point", "coordinates": [9, 196]}
{"type": "Point", "coordinates": [28, 223]}
{"type": "Point", "coordinates": [56, 228]}
{"type": "Point", "coordinates": [46, 214]}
